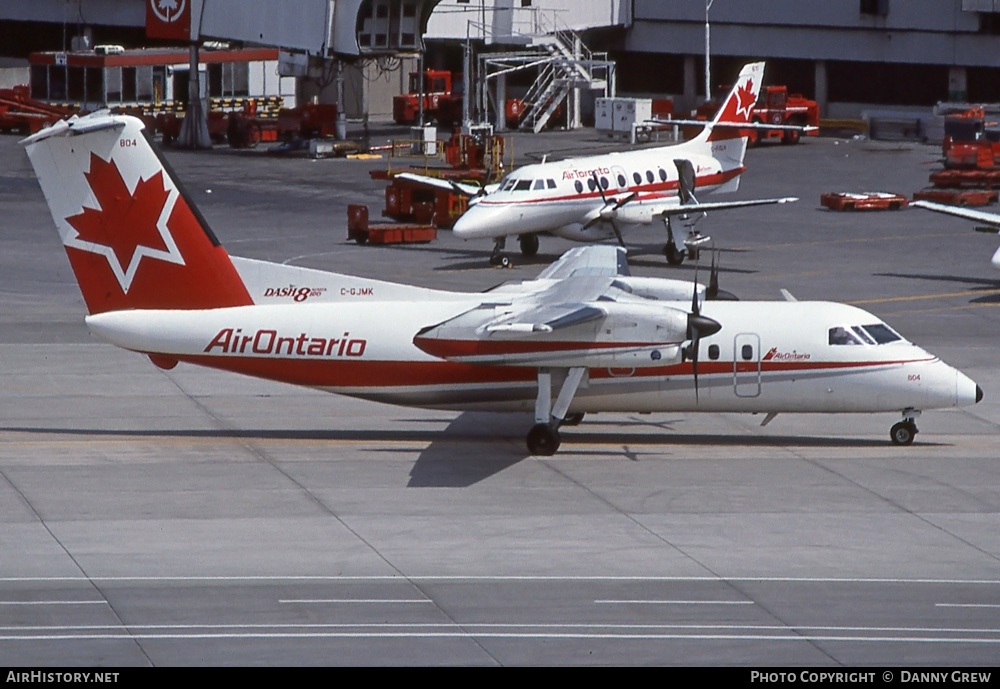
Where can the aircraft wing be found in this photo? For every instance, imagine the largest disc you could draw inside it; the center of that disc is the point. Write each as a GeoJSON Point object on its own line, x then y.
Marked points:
{"type": "Point", "coordinates": [685, 209]}
{"type": "Point", "coordinates": [992, 219]}
{"type": "Point", "coordinates": [449, 185]}
{"type": "Point", "coordinates": [592, 260]}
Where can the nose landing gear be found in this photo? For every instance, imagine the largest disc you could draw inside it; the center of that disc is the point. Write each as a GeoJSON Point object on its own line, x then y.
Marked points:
{"type": "Point", "coordinates": [903, 432]}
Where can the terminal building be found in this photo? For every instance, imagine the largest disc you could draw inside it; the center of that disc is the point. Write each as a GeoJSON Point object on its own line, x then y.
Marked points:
{"type": "Point", "coordinates": [846, 54]}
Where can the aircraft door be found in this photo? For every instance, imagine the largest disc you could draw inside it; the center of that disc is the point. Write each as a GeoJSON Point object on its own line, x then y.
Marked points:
{"type": "Point", "coordinates": [746, 365]}
{"type": "Point", "coordinates": [619, 180]}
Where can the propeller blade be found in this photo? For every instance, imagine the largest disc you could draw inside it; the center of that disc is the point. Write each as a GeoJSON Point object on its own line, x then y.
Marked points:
{"type": "Point", "coordinates": [621, 202]}
{"type": "Point", "coordinates": [600, 189]}
{"type": "Point", "coordinates": [713, 281]}
{"type": "Point", "coordinates": [686, 179]}
{"type": "Point", "coordinates": [618, 233]}
{"type": "Point", "coordinates": [695, 310]}
{"type": "Point", "coordinates": [698, 326]}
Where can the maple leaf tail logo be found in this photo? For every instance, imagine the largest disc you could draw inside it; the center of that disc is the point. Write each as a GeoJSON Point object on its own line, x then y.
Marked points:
{"type": "Point", "coordinates": [745, 100]}
{"type": "Point", "coordinates": [128, 225]}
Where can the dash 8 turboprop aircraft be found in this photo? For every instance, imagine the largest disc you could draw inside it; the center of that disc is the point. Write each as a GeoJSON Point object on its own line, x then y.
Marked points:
{"type": "Point", "coordinates": [585, 336]}
{"type": "Point", "coordinates": [596, 198]}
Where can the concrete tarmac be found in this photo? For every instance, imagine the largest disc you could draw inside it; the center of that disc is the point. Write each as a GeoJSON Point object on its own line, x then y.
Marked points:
{"type": "Point", "coordinates": [191, 517]}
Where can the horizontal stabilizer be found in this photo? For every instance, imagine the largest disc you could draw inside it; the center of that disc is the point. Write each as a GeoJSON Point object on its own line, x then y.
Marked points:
{"type": "Point", "coordinates": [685, 209]}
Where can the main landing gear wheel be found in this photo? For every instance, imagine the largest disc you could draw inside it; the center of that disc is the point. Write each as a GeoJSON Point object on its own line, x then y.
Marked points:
{"type": "Point", "coordinates": [529, 244]}
{"type": "Point", "coordinates": [543, 440]}
{"type": "Point", "coordinates": [674, 256]}
{"type": "Point", "coordinates": [903, 433]}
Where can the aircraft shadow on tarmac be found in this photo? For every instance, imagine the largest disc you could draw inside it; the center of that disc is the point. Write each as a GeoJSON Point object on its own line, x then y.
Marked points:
{"type": "Point", "coordinates": [477, 445]}
{"type": "Point", "coordinates": [988, 285]}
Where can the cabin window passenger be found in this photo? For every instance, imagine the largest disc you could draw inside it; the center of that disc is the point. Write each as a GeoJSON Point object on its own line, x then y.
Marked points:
{"type": "Point", "coordinates": [649, 176]}
{"type": "Point", "coordinates": [663, 175]}
{"type": "Point", "coordinates": [622, 182]}
{"type": "Point", "coordinates": [579, 186]}
{"type": "Point", "coordinates": [637, 177]}
{"type": "Point", "coordinates": [842, 336]}
{"type": "Point", "coordinates": [550, 183]}
{"type": "Point", "coordinates": [746, 352]}
{"type": "Point", "coordinates": [713, 352]}
{"type": "Point", "coordinates": [882, 333]}
{"type": "Point", "coordinates": [604, 182]}
{"type": "Point", "coordinates": [591, 184]}
{"type": "Point", "coordinates": [523, 185]}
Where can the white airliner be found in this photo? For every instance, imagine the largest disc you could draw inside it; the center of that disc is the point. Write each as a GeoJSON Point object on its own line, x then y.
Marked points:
{"type": "Point", "coordinates": [600, 197]}
{"type": "Point", "coordinates": [992, 220]}
{"type": "Point", "coordinates": [585, 336]}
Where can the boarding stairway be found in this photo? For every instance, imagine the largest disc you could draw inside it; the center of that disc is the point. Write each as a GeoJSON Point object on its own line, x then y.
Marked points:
{"type": "Point", "coordinates": [562, 61]}
{"type": "Point", "coordinates": [570, 65]}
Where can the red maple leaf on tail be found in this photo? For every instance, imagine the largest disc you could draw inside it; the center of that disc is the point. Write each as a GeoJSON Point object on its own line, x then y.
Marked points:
{"type": "Point", "coordinates": [125, 221]}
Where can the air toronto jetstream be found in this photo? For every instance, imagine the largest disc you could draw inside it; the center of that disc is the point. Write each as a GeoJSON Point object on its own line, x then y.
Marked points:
{"type": "Point", "coordinates": [584, 337]}
{"type": "Point", "coordinates": [596, 198]}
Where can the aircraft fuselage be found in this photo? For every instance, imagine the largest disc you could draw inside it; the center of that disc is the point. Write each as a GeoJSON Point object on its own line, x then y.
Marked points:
{"type": "Point", "coordinates": [768, 357]}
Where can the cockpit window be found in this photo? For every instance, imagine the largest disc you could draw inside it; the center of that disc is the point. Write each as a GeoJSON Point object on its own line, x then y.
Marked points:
{"type": "Point", "coordinates": [860, 332]}
{"type": "Point", "coordinates": [881, 333]}
{"type": "Point", "coordinates": [842, 336]}
{"type": "Point", "coordinates": [550, 183]}
{"type": "Point", "coordinates": [523, 185]}
{"type": "Point", "coordinates": [508, 185]}
{"type": "Point", "coordinates": [874, 334]}
{"type": "Point", "coordinates": [539, 184]}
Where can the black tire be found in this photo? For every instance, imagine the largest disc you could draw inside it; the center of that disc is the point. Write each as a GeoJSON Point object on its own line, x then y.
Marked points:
{"type": "Point", "coordinates": [791, 137]}
{"type": "Point", "coordinates": [529, 244]}
{"type": "Point", "coordinates": [543, 440]}
{"type": "Point", "coordinates": [903, 433]}
{"type": "Point", "coordinates": [674, 257]}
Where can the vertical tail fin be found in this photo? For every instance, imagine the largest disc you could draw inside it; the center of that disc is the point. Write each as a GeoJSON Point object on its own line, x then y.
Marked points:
{"type": "Point", "coordinates": [729, 142]}
{"type": "Point", "coordinates": [132, 237]}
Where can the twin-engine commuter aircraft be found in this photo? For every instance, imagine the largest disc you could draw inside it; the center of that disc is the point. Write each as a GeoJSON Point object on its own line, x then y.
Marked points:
{"type": "Point", "coordinates": [585, 336]}
{"type": "Point", "coordinates": [600, 197]}
{"type": "Point", "coordinates": [992, 220]}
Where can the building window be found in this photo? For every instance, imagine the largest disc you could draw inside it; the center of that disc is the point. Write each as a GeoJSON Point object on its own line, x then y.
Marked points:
{"type": "Point", "coordinates": [876, 7]}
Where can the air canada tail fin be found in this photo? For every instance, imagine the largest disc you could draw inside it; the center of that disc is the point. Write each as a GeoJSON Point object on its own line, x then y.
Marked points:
{"type": "Point", "coordinates": [739, 104]}
{"type": "Point", "coordinates": [728, 141]}
{"type": "Point", "coordinates": [133, 238]}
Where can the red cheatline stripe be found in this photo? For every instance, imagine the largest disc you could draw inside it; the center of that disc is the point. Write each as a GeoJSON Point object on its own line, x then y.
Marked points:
{"type": "Point", "coordinates": [357, 373]}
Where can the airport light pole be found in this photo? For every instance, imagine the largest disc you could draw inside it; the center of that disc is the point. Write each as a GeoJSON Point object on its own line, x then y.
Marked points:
{"type": "Point", "coordinates": [708, 68]}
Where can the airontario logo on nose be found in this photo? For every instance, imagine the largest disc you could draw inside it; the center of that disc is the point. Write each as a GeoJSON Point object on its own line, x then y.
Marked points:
{"type": "Point", "coordinates": [127, 225]}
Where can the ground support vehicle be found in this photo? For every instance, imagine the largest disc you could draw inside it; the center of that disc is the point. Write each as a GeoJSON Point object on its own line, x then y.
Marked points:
{"type": "Point", "coordinates": [361, 232]}
{"type": "Point", "coordinates": [863, 201]}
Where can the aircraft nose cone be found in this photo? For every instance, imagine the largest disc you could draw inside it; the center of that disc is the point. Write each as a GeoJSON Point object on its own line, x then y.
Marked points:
{"type": "Point", "coordinates": [478, 221]}
{"type": "Point", "coordinates": [979, 394]}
